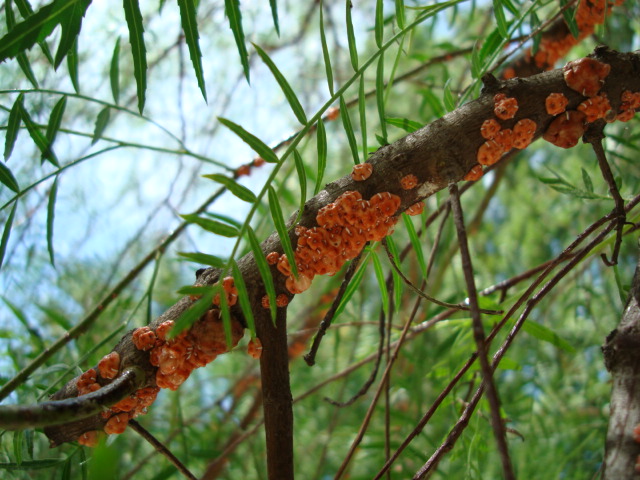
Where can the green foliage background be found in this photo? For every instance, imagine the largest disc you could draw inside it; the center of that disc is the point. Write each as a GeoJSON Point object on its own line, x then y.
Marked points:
{"type": "Point", "coordinates": [131, 147]}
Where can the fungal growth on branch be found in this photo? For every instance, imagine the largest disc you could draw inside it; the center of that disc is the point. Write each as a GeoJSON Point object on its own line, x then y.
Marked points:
{"type": "Point", "coordinates": [361, 172]}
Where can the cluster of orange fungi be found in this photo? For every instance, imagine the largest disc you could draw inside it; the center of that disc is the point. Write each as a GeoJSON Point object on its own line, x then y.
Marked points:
{"type": "Point", "coordinates": [586, 76]}
{"type": "Point", "coordinates": [245, 169]}
{"type": "Point", "coordinates": [589, 13]}
{"type": "Point", "coordinates": [361, 172]}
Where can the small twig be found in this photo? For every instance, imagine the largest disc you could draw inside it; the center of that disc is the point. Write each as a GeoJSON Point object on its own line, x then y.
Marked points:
{"type": "Point", "coordinates": [426, 296]}
{"type": "Point", "coordinates": [161, 449]}
{"type": "Point", "coordinates": [479, 336]}
{"type": "Point", "coordinates": [310, 357]}
{"type": "Point", "coordinates": [594, 136]}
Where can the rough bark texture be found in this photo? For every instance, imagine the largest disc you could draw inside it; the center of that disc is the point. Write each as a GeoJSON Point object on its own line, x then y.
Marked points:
{"type": "Point", "coordinates": [622, 359]}
{"type": "Point", "coordinates": [438, 154]}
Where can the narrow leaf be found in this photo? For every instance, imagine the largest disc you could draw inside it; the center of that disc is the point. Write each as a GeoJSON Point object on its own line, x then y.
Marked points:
{"type": "Point", "coordinates": [101, 124]}
{"type": "Point", "coordinates": [55, 120]}
{"type": "Point", "coordinates": [586, 179]}
{"type": "Point", "coordinates": [382, 284]}
{"type": "Point", "coordinates": [36, 135]}
{"type": "Point", "coordinates": [348, 129]}
{"type": "Point", "coordinates": [274, 13]}
{"type": "Point", "coordinates": [70, 25]}
{"type": "Point", "coordinates": [379, 27]}
{"type": "Point", "coordinates": [545, 334]}
{"type": "Point", "coordinates": [321, 141]}
{"type": "Point", "coordinates": [193, 313]}
{"type": "Point", "coordinates": [498, 11]}
{"type": "Point", "coordinates": [225, 218]}
{"type": "Point", "coordinates": [13, 127]}
{"type": "Point", "coordinates": [240, 191]}
{"type": "Point", "coordinates": [51, 213]}
{"type": "Point", "coordinates": [449, 100]}
{"type": "Point", "coordinates": [284, 85]}
{"type": "Point", "coordinates": [243, 297]}
{"type": "Point", "coordinates": [254, 142]}
{"type": "Point", "coordinates": [6, 233]}
{"type": "Point", "coordinates": [265, 271]}
{"type": "Point", "coordinates": [232, 9]}
{"type": "Point", "coordinates": [380, 96]}
{"type": "Point", "coordinates": [415, 243]}
{"type": "Point", "coordinates": [325, 53]}
{"type": "Point", "coordinates": [190, 29]}
{"type": "Point", "coordinates": [362, 110]}
{"type": "Point", "coordinates": [302, 181]}
{"type": "Point", "coordinates": [114, 72]}
{"type": "Point", "coordinates": [7, 178]}
{"type": "Point", "coordinates": [398, 284]}
{"type": "Point", "coordinates": [569, 15]}
{"type": "Point", "coordinates": [72, 67]}
{"type": "Point", "coordinates": [212, 226]}
{"type": "Point", "coordinates": [404, 123]}
{"type": "Point", "coordinates": [400, 19]}
{"type": "Point", "coordinates": [281, 228]}
{"type": "Point", "coordinates": [351, 37]}
{"type": "Point", "coordinates": [203, 259]}
{"type": "Point", "coordinates": [138, 50]}
{"type": "Point", "coordinates": [22, 59]}
{"type": "Point", "coordinates": [354, 284]}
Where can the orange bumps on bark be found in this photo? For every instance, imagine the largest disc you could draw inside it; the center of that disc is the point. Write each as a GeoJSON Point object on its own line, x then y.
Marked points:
{"type": "Point", "coordinates": [630, 102]}
{"type": "Point", "coordinates": [117, 424]}
{"type": "Point", "coordinates": [523, 132]}
{"type": "Point", "coordinates": [282, 300]}
{"type": "Point", "coordinates": [489, 153]}
{"type": "Point", "coordinates": [243, 170]}
{"type": "Point", "coordinates": [586, 75]}
{"type": "Point", "coordinates": [333, 113]}
{"type": "Point", "coordinates": [409, 181]}
{"type": "Point", "coordinates": [86, 383]}
{"type": "Point", "coordinates": [556, 103]}
{"type": "Point", "coordinates": [415, 209]}
{"type": "Point", "coordinates": [505, 107]}
{"type": "Point", "coordinates": [109, 365]}
{"type": "Point", "coordinates": [361, 172]}
{"type": "Point", "coordinates": [89, 439]}
{"type": "Point", "coordinates": [258, 162]}
{"type": "Point", "coordinates": [254, 348]}
{"type": "Point", "coordinates": [566, 130]}
{"type": "Point", "coordinates": [595, 108]}
{"type": "Point", "coordinates": [143, 338]}
{"type": "Point", "coordinates": [489, 128]}
{"type": "Point", "coordinates": [163, 329]}
{"type": "Point", "coordinates": [272, 258]}
{"type": "Point", "coordinates": [504, 138]}
{"type": "Point", "coordinates": [474, 174]}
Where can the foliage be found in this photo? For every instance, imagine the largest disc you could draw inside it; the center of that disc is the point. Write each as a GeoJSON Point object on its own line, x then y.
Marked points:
{"type": "Point", "coordinates": [103, 158]}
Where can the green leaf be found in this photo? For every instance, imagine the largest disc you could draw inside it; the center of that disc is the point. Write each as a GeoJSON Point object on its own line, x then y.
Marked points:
{"type": "Point", "coordinates": [379, 26]}
{"type": "Point", "coordinates": [569, 15]}
{"type": "Point", "coordinates": [225, 218]}
{"type": "Point", "coordinates": [232, 10]}
{"type": "Point", "coordinates": [491, 44]}
{"type": "Point", "coordinates": [6, 233]}
{"type": "Point", "coordinates": [138, 50]}
{"type": "Point", "coordinates": [380, 96]}
{"type": "Point", "coordinates": [190, 29]}
{"type": "Point", "coordinates": [212, 226]}
{"type": "Point", "coordinates": [32, 464]}
{"type": "Point", "coordinates": [348, 129]}
{"type": "Point", "coordinates": [449, 100]}
{"type": "Point", "coordinates": [203, 259]}
{"type": "Point", "coordinates": [254, 142]}
{"type": "Point", "coordinates": [72, 67]}
{"type": "Point", "coordinates": [434, 102]}
{"type": "Point", "coordinates": [18, 446]}
{"type": "Point", "coordinates": [193, 313]}
{"type": "Point", "coordinates": [281, 228]}
{"type": "Point", "coordinates": [302, 180]}
{"type": "Point", "coordinates": [362, 110]}
{"type": "Point", "coordinates": [586, 179]}
{"type": "Point", "coordinates": [243, 297]}
{"type": "Point", "coordinates": [325, 53]}
{"type": "Point", "coordinates": [51, 212]}
{"type": "Point", "coordinates": [274, 13]}
{"type": "Point", "coordinates": [114, 72]}
{"type": "Point", "coordinates": [56, 317]}
{"type": "Point", "coordinates": [55, 120]}
{"type": "Point", "coordinates": [415, 243]}
{"type": "Point", "coordinates": [240, 191]}
{"type": "Point", "coordinates": [22, 59]}
{"type": "Point", "coordinates": [284, 86]}
{"type": "Point", "coordinates": [13, 127]}
{"type": "Point", "coordinates": [265, 271]}
{"type": "Point", "coordinates": [398, 284]}
{"type": "Point", "coordinates": [404, 123]}
{"type": "Point", "coordinates": [38, 26]}
{"type": "Point", "coordinates": [382, 284]}
{"type": "Point", "coordinates": [498, 11]}
{"type": "Point", "coordinates": [101, 124]}
{"type": "Point", "coordinates": [36, 135]}
{"type": "Point", "coordinates": [400, 19]}
{"type": "Point", "coordinates": [321, 141]}
{"type": "Point", "coordinates": [545, 334]}
{"type": "Point", "coordinates": [7, 178]}
{"type": "Point", "coordinates": [354, 284]}
{"type": "Point", "coordinates": [70, 25]}
{"type": "Point", "coordinates": [351, 37]}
